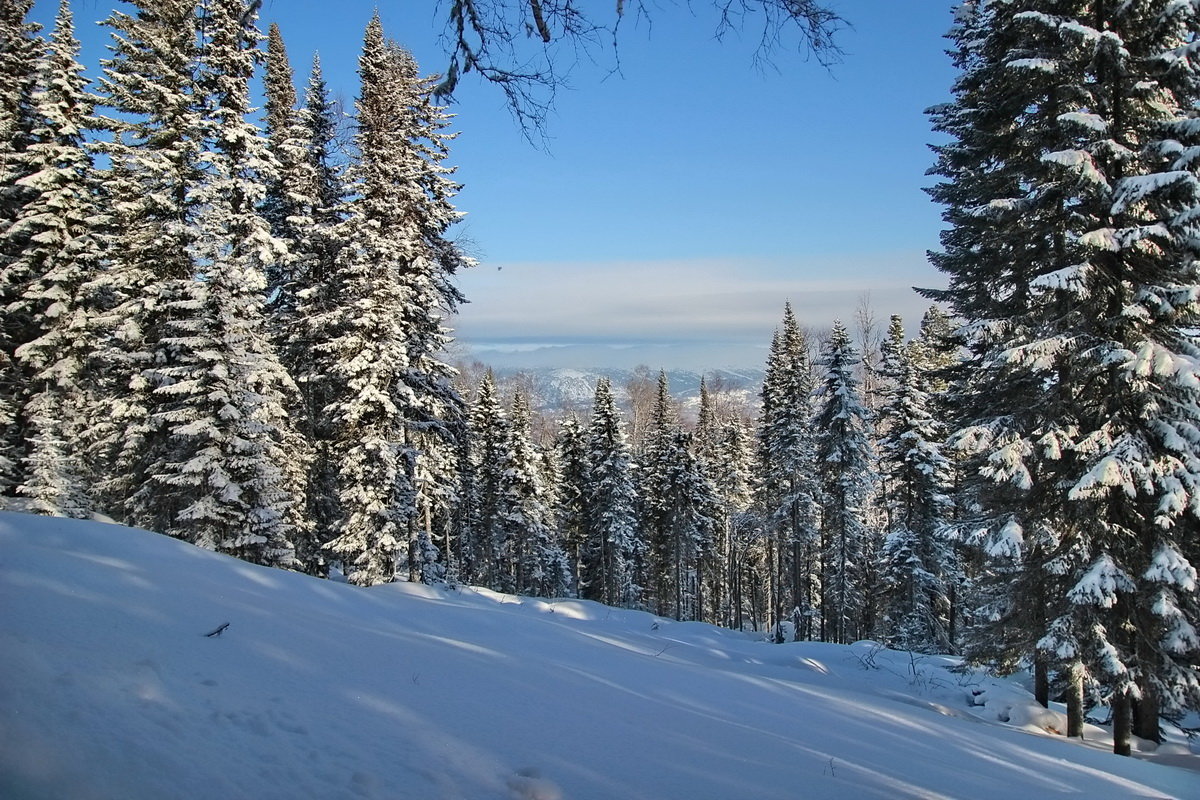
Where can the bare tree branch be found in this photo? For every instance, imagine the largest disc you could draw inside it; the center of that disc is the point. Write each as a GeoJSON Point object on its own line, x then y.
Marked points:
{"type": "Point", "coordinates": [527, 47]}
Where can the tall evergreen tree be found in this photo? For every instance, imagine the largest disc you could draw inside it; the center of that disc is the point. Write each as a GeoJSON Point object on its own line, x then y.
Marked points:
{"type": "Point", "coordinates": [484, 531]}
{"type": "Point", "coordinates": [571, 497]}
{"type": "Point", "coordinates": [58, 223]}
{"type": "Point", "coordinates": [916, 556]}
{"type": "Point", "coordinates": [844, 463]}
{"type": "Point", "coordinates": [288, 202]}
{"type": "Point", "coordinates": [677, 509]}
{"type": "Point", "coordinates": [368, 347]}
{"type": "Point", "coordinates": [236, 460]}
{"type": "Point", "coordinates": [20, 50]}
{"type": "Point", "coordinates": [432, 408]}
{"type": "Point", "coordinates": [394, 276]}
{"type": "Point", "coordinates": [157, 131]}
{"type": "Point", "coordinates": [708, 426]}
{"type": "Point", "coordinates": [732, 474]}
{"type": "Point", "coordinates": [1071, 192]}
{"type": "Point", "coordinates": [537, 563]}
{"type": "Point", "coordinates": [312, 191]}
{"type": "Point", "coordinates": [613, 550]}
{"type": "Point", "coordinates": [787, 490]}
{"type": "Point", "coordinates": [655, 502]}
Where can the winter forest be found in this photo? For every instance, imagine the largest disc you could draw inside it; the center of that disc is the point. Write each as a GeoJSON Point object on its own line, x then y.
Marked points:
{"type": "Point", "coordinates": [232, 326]}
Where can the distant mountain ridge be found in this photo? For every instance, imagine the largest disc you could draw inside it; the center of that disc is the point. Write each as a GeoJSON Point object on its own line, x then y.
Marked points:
{"type": "Point", "coordinates": [564, 389]}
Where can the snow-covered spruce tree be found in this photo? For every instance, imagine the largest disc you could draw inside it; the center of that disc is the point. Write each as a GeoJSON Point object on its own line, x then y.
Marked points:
{"type": "Point", "coordinates": [535, 560]}
{"type": "Point", "coordinates": [694, 522]}
{"type": "Point", "coordinates": [441, 490]}
{"type": "Point", "coordinates": [306, 203]}
{"type": "Point", "coordinates": [845, 466]}
{"type": "Point", "coordinates": [227, 471]}
{"type": "Point", "coordinates": [708, 426]}
{"type": "Point", "coordinates": [394, 392]}
{"type": "Point", "coordinates": [287, 205]}
{"type": "Point", "coordinates": [241, 455]}
{"type": "Point", "coordinates": [1071, 192]}
{"type": "Point", "coordinates": [157, 132]}
{"type": "Point", "coordinates": [571, 495]}
{"type": "Point", "coordinates": [655, 500]}
{"type": "Point", "coordinates": [303, 315]}
{"type": "Point", "coordinates": [935, 352]}
{"type": "Point", "coordinates": [279, 113]}
{"type": "Point", "coordinates": [20, 58]}
{"type": "Point", "coordinates": [769, 492]}
{"type": "Point", "coordinates": [613, 550]}
{"type": "Point", "coordinates": [484, 533]}
{"type": "Point", "coordinates": [677, 507]}
{"type": "Point", "coordinates": [462, 517]}
{"type": "Point", "coordinates": [916, 556]}
{"type": "Point", "coordinates": [57, 222]}
{"type": "Point", "coordinates": [20, 48]}
{"type": "Point", "coordinates": [891, 349]}
{"type": "Point", "coordinates": [714, 565]}
{"type": "Point", "coordinates": [434, 411]}
{"type": "Point", "coordinates": [991, 257]}
{"type": "Point", "coordinates": [20, 51]}
{"type": "Point", "coordinates": [787, 489]}
{"type": "Point", "coordinates": [368, 347]}
{"type": "Point", "coordinates": [731, 473]}
{"type": "Point", "coordinates": [934, 355]}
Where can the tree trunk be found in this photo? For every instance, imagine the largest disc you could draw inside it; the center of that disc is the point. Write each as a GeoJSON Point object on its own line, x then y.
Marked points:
{"type": "Point", "coordinates": [1075, 702]}
{"type": "Point", "coordinates": [1122, 723]}
{"type": "Point", "coordinates": [953, 630]}
{"type": "Point", "coordinates": [1145, 716]}
{"type": "Point", "coordinates": [1041, 681]}
{"type": "Point", "coordinates": [735, 594]}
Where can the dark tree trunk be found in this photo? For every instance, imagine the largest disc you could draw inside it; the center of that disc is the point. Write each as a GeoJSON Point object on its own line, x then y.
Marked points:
{"type": "Point", "coordinates": [1145, 716]}
{"type": "Point", "coordinates": [1075, 702]}
{"type": "Point", "coordinates": [1122, 724]}
{"type": "Point", "coordinates": [953, 630]}
{"type": "Point", "coordinates": [1041, 682]}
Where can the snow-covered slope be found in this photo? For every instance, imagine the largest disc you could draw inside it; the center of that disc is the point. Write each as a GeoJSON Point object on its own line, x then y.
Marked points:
{"type": "Point", "coordinates": [109, 688]}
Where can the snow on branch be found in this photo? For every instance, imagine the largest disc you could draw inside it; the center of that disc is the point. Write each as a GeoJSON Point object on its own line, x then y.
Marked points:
{"type": "Point", "coordinates": [1007, 542]}
{"type": "Point", "coordinates": [1169, 567]}
{"type": "Point", "coordinates": [1039, 64]}
{"type": "Point", "coordinates": [1109, 472]}
{"type": "Point", "coordinates": [1007, 465]}
{"type": "Point", "coordinates": [1135, 188]}
{"type": "Point", "coordinates": [1101, 584]}
{"type": "Point", "coordinates": [1080, 164]}
{"type": "Point", "coordinates": [1154, 360]}
{"type": "Point", "coordinates": [1092, 122]}
{"type": "Point", "coordinates": [1038, 355]}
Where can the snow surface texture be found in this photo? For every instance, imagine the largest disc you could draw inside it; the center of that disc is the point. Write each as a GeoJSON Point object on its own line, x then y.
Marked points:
{"type": "Point", "coordinates": [110, 688]}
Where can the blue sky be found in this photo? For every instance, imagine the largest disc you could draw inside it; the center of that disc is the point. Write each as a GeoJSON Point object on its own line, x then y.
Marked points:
{"type": "Point", "coordinates": [679, 203]}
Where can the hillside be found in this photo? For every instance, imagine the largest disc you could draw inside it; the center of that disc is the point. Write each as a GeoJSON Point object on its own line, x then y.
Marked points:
{"type": "Point", "coordinates": [109, 688]}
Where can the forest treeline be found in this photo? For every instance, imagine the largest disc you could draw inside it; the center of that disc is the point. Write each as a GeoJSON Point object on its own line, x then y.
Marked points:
{"type": "Point", "coordinates": [236, 334]}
